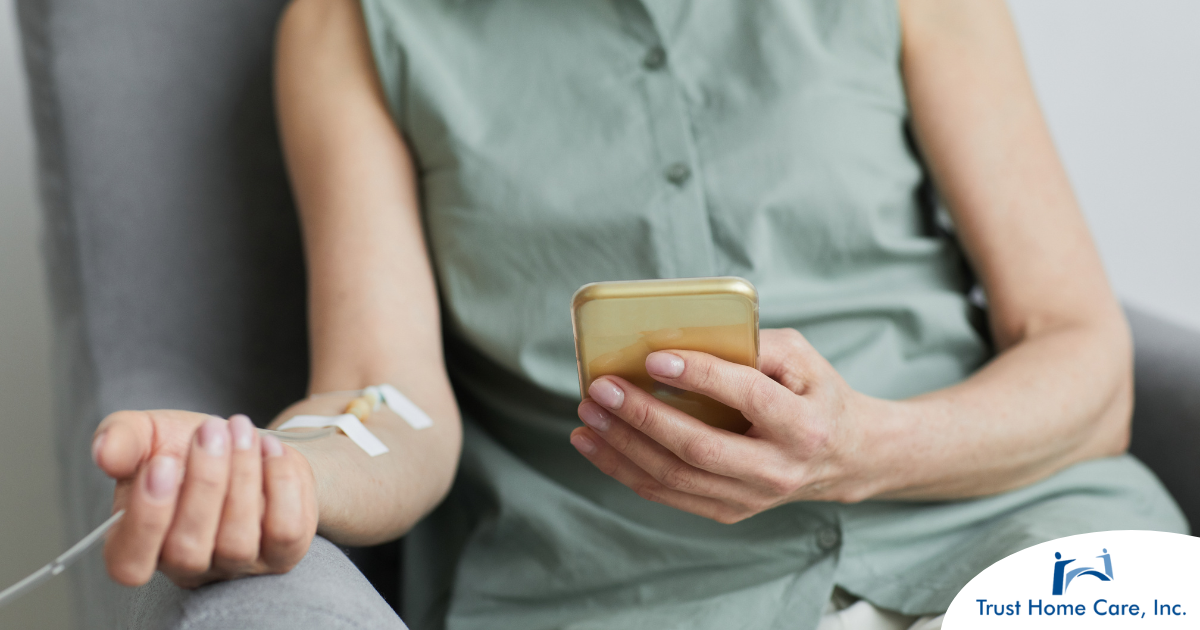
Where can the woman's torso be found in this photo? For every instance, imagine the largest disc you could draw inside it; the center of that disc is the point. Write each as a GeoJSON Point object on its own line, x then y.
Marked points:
{"type": "Point", "coordinates": [561, 143]}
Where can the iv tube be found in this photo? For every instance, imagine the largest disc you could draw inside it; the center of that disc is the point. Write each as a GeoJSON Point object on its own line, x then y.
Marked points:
{"type": "Point", "coordinates": [42, 575]}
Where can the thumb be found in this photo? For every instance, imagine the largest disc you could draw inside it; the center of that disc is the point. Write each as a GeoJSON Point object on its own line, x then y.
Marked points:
{"type": "Point", "coordinates": [122, 442]}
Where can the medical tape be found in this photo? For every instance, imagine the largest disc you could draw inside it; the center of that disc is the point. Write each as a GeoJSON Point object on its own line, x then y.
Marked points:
{"type": "Point", "coordinates": [347, 423]}
{"type": "Point", "coordinates": [403, 407]}
{"type": "Point", "coordinates": [351, 423]}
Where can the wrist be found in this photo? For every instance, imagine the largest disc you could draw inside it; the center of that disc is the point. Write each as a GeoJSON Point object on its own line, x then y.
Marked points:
{"type": "Point", "coordinates": [312, 458]}
{"type": "Point", "coordinates": [884, 446]}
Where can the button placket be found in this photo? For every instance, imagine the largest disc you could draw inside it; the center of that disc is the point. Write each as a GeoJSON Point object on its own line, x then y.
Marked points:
{"type": "Point", "coordinates": [685, 233]}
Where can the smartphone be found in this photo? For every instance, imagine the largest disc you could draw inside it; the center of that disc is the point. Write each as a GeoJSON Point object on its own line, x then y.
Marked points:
{"type": "Point", "coordinates": [617, 324]}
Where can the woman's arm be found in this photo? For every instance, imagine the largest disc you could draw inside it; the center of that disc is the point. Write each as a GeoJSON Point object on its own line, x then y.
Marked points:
{"type": "Point", "coordinates": [1059, 392]}
{"type": "Point", "coordinates": [1061, 389]}
{"type": "Point", "coordinates": [207, 499]}
{"type": "Point", "coordinates": [373, 310]}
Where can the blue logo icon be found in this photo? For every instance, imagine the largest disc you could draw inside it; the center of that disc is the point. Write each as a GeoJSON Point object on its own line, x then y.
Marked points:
{"type": "Point", "coordinates": [1062, 577]}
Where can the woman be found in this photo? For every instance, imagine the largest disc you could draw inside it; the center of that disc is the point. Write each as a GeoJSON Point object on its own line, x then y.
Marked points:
{"type": "Point", "coordinates": [474, 163]}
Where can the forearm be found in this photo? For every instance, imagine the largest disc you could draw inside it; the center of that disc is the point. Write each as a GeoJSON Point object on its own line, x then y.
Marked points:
{"type": "Point", "coordinates": [1060, 391]}
{"type": "Point", "coordinates": [1059, 397]}
{"type": "Point", "coordinates": [373, 303]}
{"type": "Point", "coordinates": [365, 500]}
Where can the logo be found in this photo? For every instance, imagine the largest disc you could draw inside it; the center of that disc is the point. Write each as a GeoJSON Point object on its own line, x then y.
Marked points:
{"type": "Point", "coordinates": [1159, 586]}
{"type": "Point", "coordinates": [1062, 577]}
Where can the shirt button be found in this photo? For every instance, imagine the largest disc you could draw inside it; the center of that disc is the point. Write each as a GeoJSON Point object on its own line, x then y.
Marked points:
{"type": "Point", "coordinates": [828, 538]}
{"type": "Point", "coordinates": [678, 173]}
{"type": "Point", "coordinates": [655, 58]}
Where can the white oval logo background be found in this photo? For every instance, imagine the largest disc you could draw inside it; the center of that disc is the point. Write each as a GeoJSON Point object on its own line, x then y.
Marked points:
{"type": "Point", "coordinates": [1119, 579]}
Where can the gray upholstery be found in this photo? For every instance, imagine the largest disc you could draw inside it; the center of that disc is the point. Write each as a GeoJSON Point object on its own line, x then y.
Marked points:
{"type": "Point", "coordinates": [174, 255]}
{"type": "Point", "coordinates": [1166, 417]}
{"type": "Point", "coordinates": [325, 591]}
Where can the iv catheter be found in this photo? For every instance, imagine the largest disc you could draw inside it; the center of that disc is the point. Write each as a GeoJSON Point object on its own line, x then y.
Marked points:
{"type": "Point", "coordinates": [368, 400]}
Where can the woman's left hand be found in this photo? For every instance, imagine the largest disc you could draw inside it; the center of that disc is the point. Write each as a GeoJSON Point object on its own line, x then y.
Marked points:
{"type": "Point", "coordinates": [805, 443]}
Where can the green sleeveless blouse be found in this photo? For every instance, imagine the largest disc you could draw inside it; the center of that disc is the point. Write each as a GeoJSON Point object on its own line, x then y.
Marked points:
{"type": "Point", "coordinates": [561, 143]}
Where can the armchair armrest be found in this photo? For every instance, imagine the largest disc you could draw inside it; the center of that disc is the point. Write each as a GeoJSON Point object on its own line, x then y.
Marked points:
{"type": "Point", "coordinates": [1166, 416]}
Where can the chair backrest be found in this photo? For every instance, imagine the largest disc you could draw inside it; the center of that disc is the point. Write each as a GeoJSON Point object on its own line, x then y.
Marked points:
{"type": "Point", "coordinates": [1166, 415]}
{"type": "Point", "coordinates": [173, 249]}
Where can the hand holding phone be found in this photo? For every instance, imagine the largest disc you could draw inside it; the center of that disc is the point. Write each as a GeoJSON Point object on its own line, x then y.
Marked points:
{"type": "Point", "coordinates": [813, 437]}
{"type": "Point", "coordinates": [617, 324]}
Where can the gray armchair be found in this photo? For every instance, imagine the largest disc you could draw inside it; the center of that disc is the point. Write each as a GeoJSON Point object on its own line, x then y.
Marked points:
{"type": "Point", "coordinates": [1166, 415]}
{"type": "Point", "coordinates": [174, 253]}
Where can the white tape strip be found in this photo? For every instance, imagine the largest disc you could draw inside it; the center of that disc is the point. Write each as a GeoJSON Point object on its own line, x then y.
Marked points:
{"type": "Point", "coordinates": [359, 434]}
{"type": "Point", "coordinates": [405, 408]}
{"type": "Point", "coordinates": [348, 424]}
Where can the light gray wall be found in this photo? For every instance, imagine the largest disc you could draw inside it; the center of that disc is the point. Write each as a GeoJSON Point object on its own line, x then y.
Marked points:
{"type": "Point", "coordinates": [1120, 86]}
{"type": "Point", "coordinates": [29, 511]}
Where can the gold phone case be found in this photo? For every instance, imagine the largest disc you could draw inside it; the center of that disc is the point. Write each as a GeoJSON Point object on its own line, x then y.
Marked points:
{"type": "Point", "coordinates": [617, 324]}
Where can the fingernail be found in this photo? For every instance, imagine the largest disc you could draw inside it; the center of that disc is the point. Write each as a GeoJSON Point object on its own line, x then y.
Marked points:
{"type": "Point", "coordinates": [583, 444]}
{"type": "Point", "coordinates": [163, 477]}
{"type": "Point", "coordinates": [606, 393]}
{"type": "Point", "coordinates": [213, 437]}
{"type": "Point", "coordinates": [664, 364]}
{"type": "Point", "coordinates": [243, 432]}
{"type": "Point", "coordinates": [595, 417]}
{"type": "Point", "coordinates": [271, 446]}
{"type": "Point", "coordinates": [97, 445]}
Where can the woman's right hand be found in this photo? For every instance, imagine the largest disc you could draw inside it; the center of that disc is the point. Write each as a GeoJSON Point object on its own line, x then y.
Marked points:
{"type": "Point", "coordinates": [205, 499]}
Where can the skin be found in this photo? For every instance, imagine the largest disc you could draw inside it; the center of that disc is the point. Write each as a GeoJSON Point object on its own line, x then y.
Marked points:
{"type": "Point", "coordinates": [1058, 392]}
{"type": "Point", "coordinates": [205, 528]}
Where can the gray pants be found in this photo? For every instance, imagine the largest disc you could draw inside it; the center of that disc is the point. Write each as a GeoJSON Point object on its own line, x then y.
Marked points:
{"type": "Point", "coordinates": [324, 591]}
